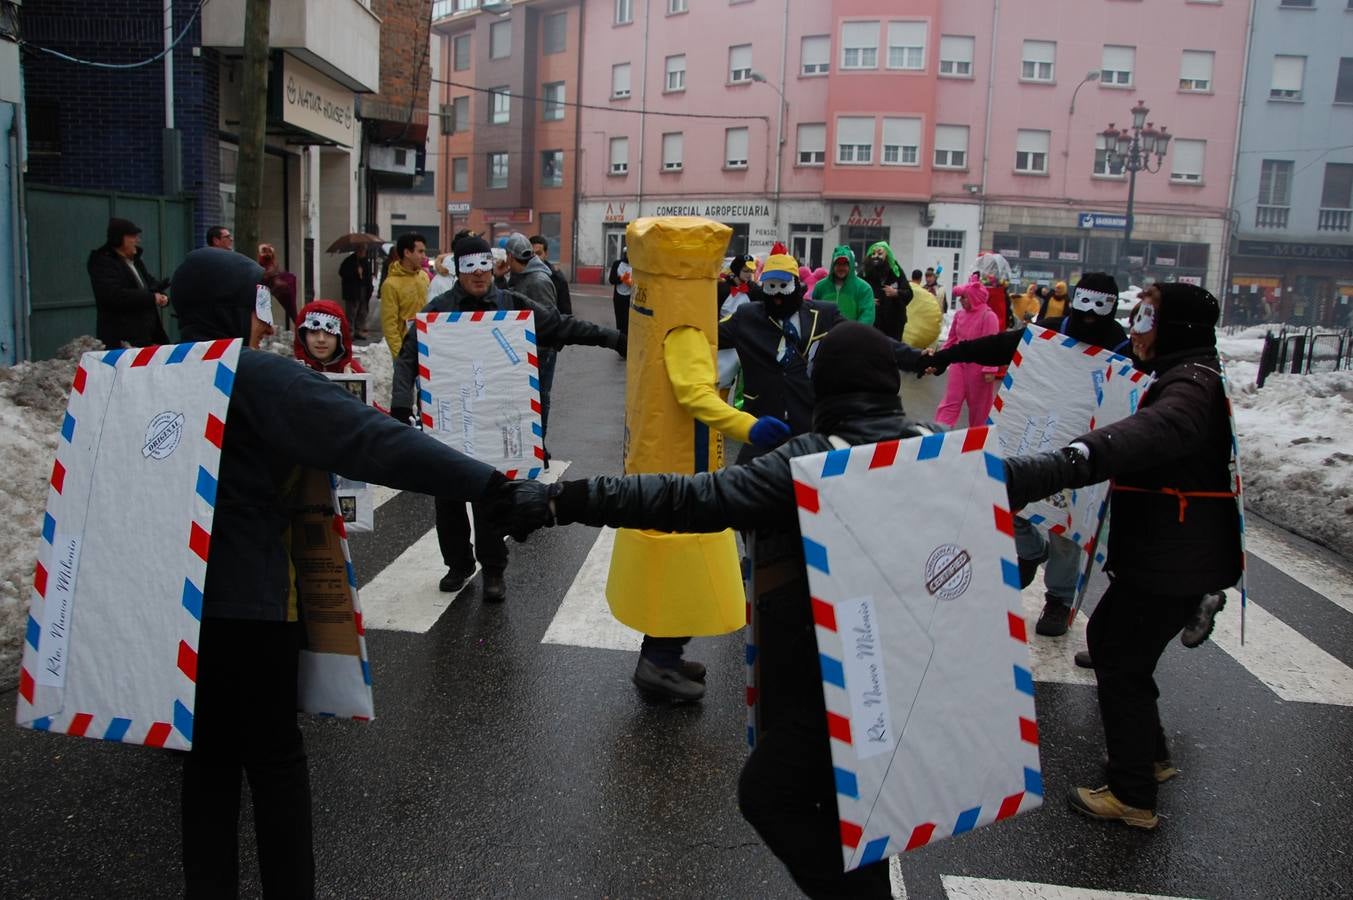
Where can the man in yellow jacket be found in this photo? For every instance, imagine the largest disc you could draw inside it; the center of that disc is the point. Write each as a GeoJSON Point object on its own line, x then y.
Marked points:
{"type": "Point", "coordinates": [674, 586]}
{"type": "Point", "coordinates": [405, 289]}
{"type": "Point", "coordinates": [923, 315]}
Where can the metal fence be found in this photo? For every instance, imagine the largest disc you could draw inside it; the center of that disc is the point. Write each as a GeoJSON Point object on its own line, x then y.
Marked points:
{"type": "Point", "coordinates": [1302, 351]}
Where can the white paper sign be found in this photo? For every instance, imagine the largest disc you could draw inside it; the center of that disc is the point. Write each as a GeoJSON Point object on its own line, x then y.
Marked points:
{"type": "Point", "coordinates": [479, 387]}
{"type": "Point", "coordinates": [263, 304]}
{"type": "Point", "coordinates": [921, 639]}
{"type": "Point", "coordinates": [111, 646]}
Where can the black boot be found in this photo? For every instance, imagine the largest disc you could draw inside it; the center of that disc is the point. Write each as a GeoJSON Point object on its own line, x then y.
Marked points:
{"type": "Point", "coordinates": [1053, 622]}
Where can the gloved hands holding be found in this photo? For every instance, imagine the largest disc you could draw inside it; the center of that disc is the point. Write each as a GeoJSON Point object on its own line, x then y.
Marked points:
{"type": "Point", "coordinates": [1039, 475]}
{"type": "Point", "coordinates": [518, 508]}
{"type": "Point", "coordinates": [402, 414]}
{"type": "Point", "coordinates": [936, 361]}
{"type": "Point", "coordinates": [769, 433]}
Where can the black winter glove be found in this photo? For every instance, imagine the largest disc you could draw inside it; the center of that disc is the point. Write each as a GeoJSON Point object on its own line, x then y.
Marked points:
{"type": "Point", "coordinates": [402, 414]}
{"type": "Point", "coordinates": [569, 499]}
{"type": "Point", "coordinates": [518, 508]}
{"type": "Point", "coordinates": [1039, 475]}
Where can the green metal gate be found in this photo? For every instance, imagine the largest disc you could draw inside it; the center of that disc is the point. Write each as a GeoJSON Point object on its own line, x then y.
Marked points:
{"type": "Point", "coordinates": [64, 225]}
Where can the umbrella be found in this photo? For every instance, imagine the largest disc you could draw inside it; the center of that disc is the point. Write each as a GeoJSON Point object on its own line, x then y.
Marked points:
{"type": "Point", "coordinates": [350, 242]}
{"type": "Point", "coordinates": [993, 266]}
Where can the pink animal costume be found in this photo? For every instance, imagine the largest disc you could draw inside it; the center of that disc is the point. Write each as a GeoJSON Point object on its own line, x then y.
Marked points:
{"type": "Point", "coordinates": [969, 381]}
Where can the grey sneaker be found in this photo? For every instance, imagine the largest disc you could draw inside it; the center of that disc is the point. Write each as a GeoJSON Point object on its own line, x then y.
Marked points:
{"type": "Point", "coordinates": [671, 683]}
{"type": "Point", "coordinates": [1204, 618]}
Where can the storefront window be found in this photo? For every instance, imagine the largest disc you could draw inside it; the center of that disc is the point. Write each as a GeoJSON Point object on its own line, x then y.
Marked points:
{"type": "Point", "coordinates": [737, 244]}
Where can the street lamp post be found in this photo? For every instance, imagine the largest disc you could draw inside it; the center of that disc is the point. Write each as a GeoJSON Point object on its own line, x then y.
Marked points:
{"type": "Point", "coordinates": [779, 138]}
{"type": "Point", "coordinates": [1132, 149]}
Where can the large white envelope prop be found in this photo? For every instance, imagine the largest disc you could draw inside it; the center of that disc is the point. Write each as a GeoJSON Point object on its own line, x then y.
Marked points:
{"type": "Point", "coordinates": [111, 645]}
{"type": "Point", "coordinates": [1056, 389]}
{"type": "Point", "coordinates": [479, 386]}
{"type": "Point", "coordinates": [922, 642]}
{"type": "Point", "coordinates": [356, 500]}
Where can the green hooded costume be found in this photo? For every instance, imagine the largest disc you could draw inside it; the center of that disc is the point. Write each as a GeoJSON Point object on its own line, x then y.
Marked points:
{"type": "Point", "coordinates": [853, 297]}
{"type": "Point", "coordinates": [892, 260]}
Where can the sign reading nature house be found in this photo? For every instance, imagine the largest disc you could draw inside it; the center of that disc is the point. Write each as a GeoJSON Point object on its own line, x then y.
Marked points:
{"type": "Point", "coordinates": [315, 103]}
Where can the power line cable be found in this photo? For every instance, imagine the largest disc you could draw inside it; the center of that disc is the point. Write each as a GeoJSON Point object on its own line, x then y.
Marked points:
{"type": "Point", "coordinates": [120, 66]}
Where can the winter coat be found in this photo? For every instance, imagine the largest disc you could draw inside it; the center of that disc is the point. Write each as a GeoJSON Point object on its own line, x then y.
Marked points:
{"type": "Point", "coordinates": [403, 294]}
{"type": "Point", "coordinates": [854, 297]}
{"type": "Point", "coordinates": [772, 387]}
{"type": "Point", "coordinates": [355, 274]}
{"type": "Point", "coordinates": [1179, 440]}
{"type": "Point", "coordinates": [283, 415]}
{"type": "Point", "coordinates": [1054, 305]}
{"type": "Point", "coordinates": [890, 313]}
{"type": "Point", "coordinates": [562, 300]}
{"type": "Point", "coordinates": [124, 307]}
{"type": "Point", "coordinates": [343, 360]}
{"type": "Point", "coordinates": [1025, 308]}
{"type": "Point", "coordinates": [552, 330]}
{"type": "Point", "coordinates": [923, 319]}
{"type": "Point", "coordinates": [758, 497]}
{"type": "Point", "coordinates": [535, 282]}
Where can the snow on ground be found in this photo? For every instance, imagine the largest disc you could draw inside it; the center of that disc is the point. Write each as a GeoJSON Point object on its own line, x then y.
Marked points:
{"type": "Point", "coordinates": [1296, 444]}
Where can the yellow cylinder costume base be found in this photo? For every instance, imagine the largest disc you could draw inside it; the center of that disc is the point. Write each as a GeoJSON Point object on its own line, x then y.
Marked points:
{"type": "Point", "coordinates": [674, 585]}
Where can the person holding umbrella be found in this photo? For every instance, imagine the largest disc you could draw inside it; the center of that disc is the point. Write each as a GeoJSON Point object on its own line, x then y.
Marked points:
{"type": "Point", "coordinates": [355, 274]}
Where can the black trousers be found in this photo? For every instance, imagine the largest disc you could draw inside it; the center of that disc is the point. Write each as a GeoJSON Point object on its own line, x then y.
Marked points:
{"type": "Point", "coordinates": [1127, 633]}
{"type": "Point", "coordinates": [664, 652]}
{"type": "Point", "coordinates": [453, 536]}
{"type": "Point", "coordinates": [245, 721]}
{"type": "Point", "coordinates": [622, 312]}
{"type": "Point", "coordinates": [788, 794]}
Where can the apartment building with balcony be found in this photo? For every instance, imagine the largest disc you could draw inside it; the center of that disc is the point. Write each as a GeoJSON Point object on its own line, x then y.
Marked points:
{"type": "Point", "coordinates": [508, 118]}
{"type": "Point", "coordinates": [1292, 256]}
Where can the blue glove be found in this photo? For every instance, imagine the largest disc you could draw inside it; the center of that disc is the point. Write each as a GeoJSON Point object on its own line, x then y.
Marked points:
{"type": "Point", "coordinates": [769, 432]}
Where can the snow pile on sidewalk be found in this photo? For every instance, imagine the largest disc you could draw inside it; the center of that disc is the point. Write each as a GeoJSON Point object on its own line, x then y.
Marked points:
{"type": "Point", "coordinates": [33, 400]}
{"type": "Point", "coordinates": [32, 404]}
{"type": "Point", "coordinates": [1296, 443]}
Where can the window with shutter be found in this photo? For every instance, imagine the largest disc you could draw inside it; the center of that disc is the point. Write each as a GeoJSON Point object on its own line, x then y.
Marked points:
{"type": "Point", "coordinates": [1036, 63]}
{"type": "Point", "coordinates": [1116, 68]}
{"type": "Point", "coordinates": [671, 151]}
{"type": "Point", "coordinates": [815, 53]}
{"type": "Point", "coordinates": [855, 140]}
{"type": "Point", "coordinates": [906, 45]}
{"type": "Point", "coordinates": [901, 141]}
{"type": "Point", "coordinates": [956, 56]}
{"type": "Point", "coordinates": [812, 144]}
{"type": "Point", "coordinates": [1031, 152]}
{"type": "Point", "coordinates": [1288, 74]}
{"type": "Point", "coordinates": [620, 81]}
{"type": "Point", "coordinates": [1195, 71]}
{"type": "Point", "coordinates": [860, 45]}
{"type": "Point", "coordinates": [735, 148]}
{"type": "Point", "coordinates": [740, 63]}
{"type": "Point", "coordinates": [620, 155]}
{"type": "Point", "coordinates": [951, 146]}
{"type": "Point", "coordinates": [1187, 162]}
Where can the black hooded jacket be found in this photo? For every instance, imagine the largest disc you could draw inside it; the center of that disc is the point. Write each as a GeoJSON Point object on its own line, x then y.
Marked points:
{"type": "Point", "coordinates": [1178, 440]}
{"type": "Point", "coordinates": [759, 497]}
{"type": "Point", "coordinates": [124, 303]}
{"type": "Point", "coordinates": [282, 416]}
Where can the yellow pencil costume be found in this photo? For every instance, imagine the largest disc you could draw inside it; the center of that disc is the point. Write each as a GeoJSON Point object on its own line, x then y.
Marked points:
{"type": "Point", "coordinates": [675, 585]}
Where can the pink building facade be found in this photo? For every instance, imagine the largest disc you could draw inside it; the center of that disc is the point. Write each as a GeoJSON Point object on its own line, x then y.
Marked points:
{"type": "Point", "coordinates": [904, 120]}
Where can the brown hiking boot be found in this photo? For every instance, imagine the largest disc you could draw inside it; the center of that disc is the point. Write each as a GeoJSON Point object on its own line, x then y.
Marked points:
{"type": "Point", "coordinates": [1100, 803]}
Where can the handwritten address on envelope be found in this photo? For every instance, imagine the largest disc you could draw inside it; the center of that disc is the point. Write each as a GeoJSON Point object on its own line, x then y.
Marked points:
{"type": "Point", "coordinates": [866, 680]}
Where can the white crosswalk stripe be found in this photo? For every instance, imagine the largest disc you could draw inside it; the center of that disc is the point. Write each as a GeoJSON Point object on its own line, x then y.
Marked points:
{"type": "Point", "coordinates": [404, 595]}
{"type": "Point", "coordinates": [584, 618]}
{"type": "Point", "coordinates": [1270, 543]}
{"type": "Point", "coordinates": [1287, 663]}
{"type": "Point", "coordinates": [962, 888]}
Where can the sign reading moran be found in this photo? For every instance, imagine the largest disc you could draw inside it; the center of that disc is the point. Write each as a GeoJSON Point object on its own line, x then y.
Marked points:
{"type": "Point", "coordinates": [312, 102]}
{"type": "Point", "coordinates": [714, 210]}
{"type": "Point", "coordinates": [1289, 250]}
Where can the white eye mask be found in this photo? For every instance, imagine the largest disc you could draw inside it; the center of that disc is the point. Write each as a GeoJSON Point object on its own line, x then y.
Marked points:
{"type": "Point", "coordinates": [318, 321]}
{"type": "Point", "coordinates": [1145, 322]}
{"type": "Point", "coordinates": [774, 288]}
{"type": "Point", "coordinates": [474, 262]}
{"type": "Point", "coordinates": [1097, 302]}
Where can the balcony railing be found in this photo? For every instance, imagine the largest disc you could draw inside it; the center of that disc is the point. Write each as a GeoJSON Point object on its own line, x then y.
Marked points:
{"type": "Point", "coordinates": [1271, 216]}
{"type": "Point", "coordinates": [1335, 220]}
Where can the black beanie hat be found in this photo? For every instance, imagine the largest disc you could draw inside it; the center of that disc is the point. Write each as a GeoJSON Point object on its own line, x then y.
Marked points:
{"type": "Point", "coordinates": [1101, 284]}
{"type": "Point", "coordinates": [469, 246]}
{"type": "Point", "coordinates": [118, 229]}
{"type": "Point", "coordinates": [213, 294]}
{"type": "Point", "coordinates": [855, 358]}
{"type": "Point", "coordinates": [1186, 318]}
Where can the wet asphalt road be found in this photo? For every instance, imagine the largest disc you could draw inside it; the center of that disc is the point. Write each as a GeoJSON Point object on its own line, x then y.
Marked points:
{"type": "Point", "coordinates": [499, 766]}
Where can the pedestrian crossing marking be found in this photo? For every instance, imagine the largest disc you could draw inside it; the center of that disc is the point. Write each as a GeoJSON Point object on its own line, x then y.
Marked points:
{"type": "Point", "coordinates": [963, 888]}
{"type": "Point", "coordinates": [1270, 544]}
{"type": "Point", "coordinates": [404, 595]}
{"type": "Point", "coordinates": [584, 617]}
{"type": "Point", "coordinates": [1288, 664]}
